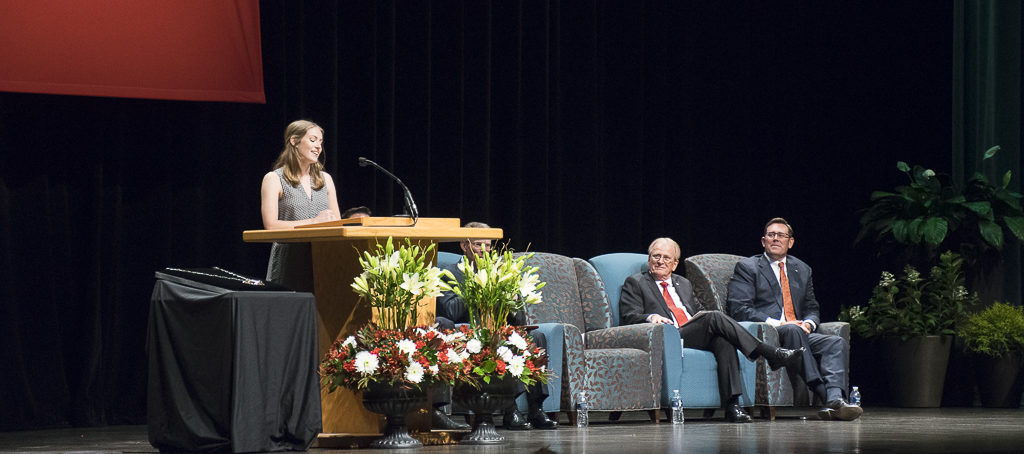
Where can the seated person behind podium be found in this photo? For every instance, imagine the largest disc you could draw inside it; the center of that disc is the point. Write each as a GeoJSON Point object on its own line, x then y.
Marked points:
{"type": "Point", "coordinates": [296, 192]}
{"type": "Point", "coordinates": [659, 296]}
{"type": "Point", "coordinates": [356, 212]}
{"type": "Point", "coordinates": [761, 291]}
{"type": "Point", "coordinates": [451, 310]}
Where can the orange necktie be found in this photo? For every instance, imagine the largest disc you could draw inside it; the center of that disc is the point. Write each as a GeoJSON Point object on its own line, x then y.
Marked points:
{"type": "Point", "coordinates": [680, 314]}
{"type": "Point", "coordinates": [787, 299]}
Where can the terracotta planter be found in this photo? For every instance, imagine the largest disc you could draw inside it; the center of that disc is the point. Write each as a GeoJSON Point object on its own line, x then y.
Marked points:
{"type": "Point", "coordinates": [999, 380]}
{"type": "Point", "coordinates": [393, 402]}
{"type": "Point", "coordinates": [483, 401]}
{"type": "Point", "coordinates": [917, 369]}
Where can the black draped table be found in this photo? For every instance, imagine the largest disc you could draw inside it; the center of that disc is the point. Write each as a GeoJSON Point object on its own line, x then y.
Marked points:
{"type": "Point", "coordinates": [231, 370]}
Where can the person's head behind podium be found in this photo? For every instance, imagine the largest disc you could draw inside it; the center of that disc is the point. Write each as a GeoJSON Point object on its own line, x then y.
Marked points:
{"type": "Point", "coordinates": [471, 247]}
{"type": "Point", "coordinates": [356, 212]}
{"type": "Point", "coordinates": [303, 146]}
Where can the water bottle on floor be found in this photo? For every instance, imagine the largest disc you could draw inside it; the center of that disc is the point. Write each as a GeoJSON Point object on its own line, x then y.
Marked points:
{"type": "Point", "coordinates": [855, 396]}
{"type": "Point", "coordinates": [582, 406]}
{"type": "Point", "coordinates": [677, 407]}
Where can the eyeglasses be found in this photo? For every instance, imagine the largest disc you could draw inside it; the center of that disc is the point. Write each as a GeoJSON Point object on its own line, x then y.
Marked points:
{"type": "Point", "coordinates": [662, 258]}
{"type": "Point", "coordinates": [781, 235]}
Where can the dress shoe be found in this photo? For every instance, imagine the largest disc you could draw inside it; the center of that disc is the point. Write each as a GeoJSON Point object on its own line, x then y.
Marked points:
{"type": "Point", "coordinates": [784, 357]}
{"type": "Point", "coordinates": [735, 413]}
{"type": "Point", "coordinates": [513, 420]}
{"type": "Point", "coordinates": [540, 420]}
{"type": "Point", "coordinates": [840, 410]}
{"type": "Point", "coordinates": [441, 421]}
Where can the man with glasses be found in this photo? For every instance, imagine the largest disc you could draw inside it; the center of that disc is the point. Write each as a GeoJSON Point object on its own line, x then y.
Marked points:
{"type": "Point", "coordinates": [659, 296]}
{"type": "Point", "coordinates": [777, 288]}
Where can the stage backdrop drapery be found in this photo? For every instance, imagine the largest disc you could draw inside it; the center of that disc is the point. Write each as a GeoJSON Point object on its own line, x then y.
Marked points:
{"type": "Point", "coordinates": [194, 50]}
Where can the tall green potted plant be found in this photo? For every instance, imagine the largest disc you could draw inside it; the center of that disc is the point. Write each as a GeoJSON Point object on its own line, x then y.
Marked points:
{"type": "Point", "coordinates": [996, 338]}
{"type": "Point", "coordinates": [914, 318]}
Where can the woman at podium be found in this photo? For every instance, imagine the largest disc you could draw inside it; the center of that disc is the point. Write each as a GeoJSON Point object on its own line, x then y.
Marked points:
{"type": "Point", "coordinates": [296, 192]}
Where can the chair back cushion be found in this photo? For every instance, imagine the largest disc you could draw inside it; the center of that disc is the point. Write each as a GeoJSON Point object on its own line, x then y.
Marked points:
{"type": "Point", "coordinates": [710, 274]}
{"type": "Point", "coordinates": [573, 293]}
{"type": "Point", "coordinates": [614, 269]}
{"type": "Point", "coordinates": [447, 259]}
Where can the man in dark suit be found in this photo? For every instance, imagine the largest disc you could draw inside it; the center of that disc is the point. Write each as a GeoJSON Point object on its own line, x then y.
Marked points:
{"type": "Point", "coordinates": [659, 296]}
{"type": "Point", "coordinates": [777, 288]}
{"type": "Point", "coordinates": [451, 310]}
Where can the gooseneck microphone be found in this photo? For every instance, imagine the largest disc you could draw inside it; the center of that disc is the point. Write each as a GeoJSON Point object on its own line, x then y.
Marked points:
{"type": "Point", "coordinates": [410, 205]}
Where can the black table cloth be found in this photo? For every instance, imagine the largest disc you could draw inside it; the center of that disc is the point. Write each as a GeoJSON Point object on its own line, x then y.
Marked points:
{"type": "Point", "coordinates": [232, 371]}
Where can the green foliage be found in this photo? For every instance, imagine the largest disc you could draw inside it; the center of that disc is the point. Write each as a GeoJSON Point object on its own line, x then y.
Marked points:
{"type": "Point", "coordinates": [913, 306]}
{"type": "Point", "coordinates": [925, 214]}
{"type": "Point", "coordinates": [394, 281]}
{"type": "Point", "coordinates": [995, 331]}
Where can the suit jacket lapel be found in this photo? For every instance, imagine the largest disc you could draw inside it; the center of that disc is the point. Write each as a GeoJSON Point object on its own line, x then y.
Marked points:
{"type": "Point", "coordinates": [655, 289]}
{"type": "Point", "coordinates": [677, 283]}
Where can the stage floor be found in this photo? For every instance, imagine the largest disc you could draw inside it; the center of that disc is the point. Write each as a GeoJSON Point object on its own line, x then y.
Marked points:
{"type": "Point", "coordinates": [896, 430]}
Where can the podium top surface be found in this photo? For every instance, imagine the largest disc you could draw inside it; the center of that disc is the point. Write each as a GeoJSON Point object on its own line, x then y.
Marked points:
{"type": "Point", "coordinates": [434, 229]}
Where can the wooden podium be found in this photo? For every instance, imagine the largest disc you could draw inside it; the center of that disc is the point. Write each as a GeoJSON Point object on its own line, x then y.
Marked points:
{"type": "Point", "coordinates": [337, 246]}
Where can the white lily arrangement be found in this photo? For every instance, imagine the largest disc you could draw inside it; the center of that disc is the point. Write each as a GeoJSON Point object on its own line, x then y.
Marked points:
{"type": "Point", "coordinates": [497, 284]}
{"type": "Point", "coordinates": [395, 280]}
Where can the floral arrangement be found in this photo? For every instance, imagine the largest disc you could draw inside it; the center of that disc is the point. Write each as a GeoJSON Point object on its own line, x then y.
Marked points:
{"type": "Point", "coordinates": [496, 285]}
{"type": "Point", "coordinates": [422, 356]}
{"type": "Point", "coordinates": [394, 281]}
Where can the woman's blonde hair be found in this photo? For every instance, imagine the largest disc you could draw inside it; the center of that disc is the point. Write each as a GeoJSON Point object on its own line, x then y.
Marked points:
{"type": "Point", "coordinates": [289, 157]}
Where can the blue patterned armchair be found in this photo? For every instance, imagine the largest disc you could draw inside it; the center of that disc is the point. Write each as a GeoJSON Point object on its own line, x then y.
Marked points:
{"type": "Point", "coordinates": [620, 367]}
{"type": "Point", "coordinates": [693, 372]}
{"type": "Point", "coordinates": [710, 275]}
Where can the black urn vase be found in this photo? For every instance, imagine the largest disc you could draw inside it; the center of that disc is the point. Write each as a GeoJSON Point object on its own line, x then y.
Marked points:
{"type": "Point", "coordinates": [393, 401]}
{"type": "Point", "coordinates": [484, 401]}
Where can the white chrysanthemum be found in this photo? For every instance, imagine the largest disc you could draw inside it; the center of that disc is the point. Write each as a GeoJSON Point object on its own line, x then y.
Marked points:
{"type": "Point", "coordinates": [516, 340]}
{"type": "Point", "coordinates": [406, 346]}
{"type": "Point", "coordinates": [366, 363]}
{"type": "Point", "coordinates": [464, 354]}
{"type": "Point", "coordinates": [454, 356]}
{"type": "Point", "coordinates": [474, 346]}
{"type": "Point", "coordinates": [414, 372]}
{"type": "Point", "coordinates": [349, 342]}
{"type": "Point", "coordinates": [505, 353]}
{"type": "Point", "coordinates": [516, 366]}
{"type": "Point", "coordinates": [433, 369]}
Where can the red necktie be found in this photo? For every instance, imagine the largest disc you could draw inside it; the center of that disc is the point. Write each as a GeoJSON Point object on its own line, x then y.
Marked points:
{"type": "Point", "coordinates": [680, 314]}
{"type": "Point", "coordinates": [787, 298]}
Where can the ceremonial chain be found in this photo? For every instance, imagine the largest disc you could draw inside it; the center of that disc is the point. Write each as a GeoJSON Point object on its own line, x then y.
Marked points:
{"type": "Point", "coordinates": [233, 276]}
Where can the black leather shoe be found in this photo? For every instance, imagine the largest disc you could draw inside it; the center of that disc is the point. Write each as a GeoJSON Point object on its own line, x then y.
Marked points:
{"type": "Point", "coordinates": [840, 410]}
{"type": "Point", "coordinates": [513, 420]}
{"type": "Point", "coordinates": [540, 420]}
{"type": "Point", "coordinates": [784, 357]}
{"type": "Point", "coordinates": [441, 421]}
{"type": "Point", "coordinates": [735, 413]}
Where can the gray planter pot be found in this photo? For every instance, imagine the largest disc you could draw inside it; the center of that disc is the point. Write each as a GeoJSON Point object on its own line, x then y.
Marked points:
{"type": "Point", "coordinates": [917, 369]}
{"type": "Point", "coordinates": [999, 380]}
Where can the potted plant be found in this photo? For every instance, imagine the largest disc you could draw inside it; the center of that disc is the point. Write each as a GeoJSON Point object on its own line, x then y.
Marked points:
{"type": "Point", "coordinates": [502, 358]}
{"type": "Point", "coordinates": [932, 213]}
{"type": "Point", "coordinates": [388, 360]}
{"type": "Point", "coordinates": [914, 318]}
{"type": "Point", "coordinates": [995, 336]}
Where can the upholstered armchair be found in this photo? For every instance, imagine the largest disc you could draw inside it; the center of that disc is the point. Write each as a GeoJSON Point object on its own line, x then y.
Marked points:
{"type": "Point", "coordinates": [620, 367]}
{"type": "Point", "coordinates": [693, 372]}
{"type": "Point", "coordinates": [710, 274]}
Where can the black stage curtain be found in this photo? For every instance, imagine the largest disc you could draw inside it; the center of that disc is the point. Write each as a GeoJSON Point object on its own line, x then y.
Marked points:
{"type": "Point", "coordinates": [580, 127]}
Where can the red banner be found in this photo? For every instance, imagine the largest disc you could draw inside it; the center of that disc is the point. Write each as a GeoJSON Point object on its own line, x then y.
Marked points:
{"type": "Point", "coordinates": [196, 50]}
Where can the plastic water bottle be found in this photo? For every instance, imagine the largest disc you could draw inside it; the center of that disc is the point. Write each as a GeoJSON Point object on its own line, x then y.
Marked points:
{"type": "Point", "coordinates": [582, 420]}
{"type": "Point", "coordinates": [677, 407]}
{"type": "Point", "coordinates": [855, 396]}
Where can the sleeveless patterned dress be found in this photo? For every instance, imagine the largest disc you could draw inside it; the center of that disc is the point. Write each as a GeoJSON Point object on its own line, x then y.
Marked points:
{"type": "Point", "coordinates": [291, 264]}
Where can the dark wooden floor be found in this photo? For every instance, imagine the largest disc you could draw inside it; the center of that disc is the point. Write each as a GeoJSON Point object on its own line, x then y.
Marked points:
{"type": "Point", "coordinates": [946, 430]}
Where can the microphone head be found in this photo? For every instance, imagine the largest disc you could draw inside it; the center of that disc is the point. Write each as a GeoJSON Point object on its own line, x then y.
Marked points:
{"type": "Point", "coordinates": [362, 161]}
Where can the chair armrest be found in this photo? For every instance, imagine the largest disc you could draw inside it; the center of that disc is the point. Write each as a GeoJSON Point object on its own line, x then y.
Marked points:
{"type": "Point", "coordinates": [841, 329]}
{"type": "Point", "coordinates": [648, 337]}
